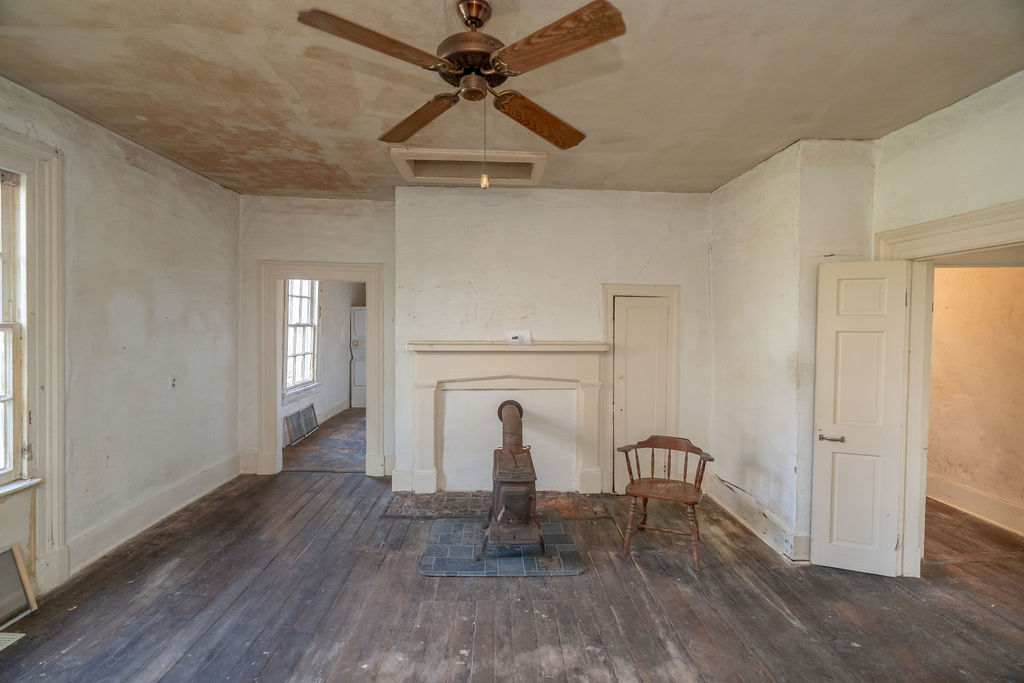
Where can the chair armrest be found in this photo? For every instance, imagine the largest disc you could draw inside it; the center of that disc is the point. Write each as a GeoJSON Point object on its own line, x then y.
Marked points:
{"type": "Point", "coordinates": [626, 449]}
{"type": "Point", "coordinates": [707, 457]}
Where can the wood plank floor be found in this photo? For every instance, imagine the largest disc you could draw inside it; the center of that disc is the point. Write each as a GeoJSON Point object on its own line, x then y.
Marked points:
{"type": "Point", "coordinates": [338, 445]}
{"type": "Point", "coordinates": [301, 576]}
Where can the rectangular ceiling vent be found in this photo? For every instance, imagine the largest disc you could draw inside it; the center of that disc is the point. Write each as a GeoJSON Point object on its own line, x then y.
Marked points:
{"type": "Point", "coordinates": [463, 166]}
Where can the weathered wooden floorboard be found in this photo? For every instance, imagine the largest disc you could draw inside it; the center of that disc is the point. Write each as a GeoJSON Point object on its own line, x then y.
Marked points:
{"type": "Point", "coordinates": [361, 656]}
{"type": "Point", "coordinates": [334, 630]}
{"type": "Point", "coordinates": [302, 577]}
{"type": "Point", "coordinates": [482, 656]}
{"type": "Point", "coordinates": [227, 638]}
{"type": "Point", "coordinates": [298, 587]}
{"type": "Point", "coordinates": [228, 572]}
{"type": "Point", "coordinates": [171, 569]}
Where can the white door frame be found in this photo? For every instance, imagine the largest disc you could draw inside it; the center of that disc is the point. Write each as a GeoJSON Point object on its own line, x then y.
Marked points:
{"type": "Point", "coordinates": [269, 460]}
{"type": "Point", "coordinates": [608, 294]}
{"type": "Point", "coordinates": [989, 228]}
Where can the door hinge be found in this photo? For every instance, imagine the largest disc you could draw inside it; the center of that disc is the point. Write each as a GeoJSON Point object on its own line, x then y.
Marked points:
{"type": "Point", "coordinates": [26, 451]}
{"type": "Point", "coordinates": [906, 297]}
{"type": "Point", "coordinates": [30, 417]}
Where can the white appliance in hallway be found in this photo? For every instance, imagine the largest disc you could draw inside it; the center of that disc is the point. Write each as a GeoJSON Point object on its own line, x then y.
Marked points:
{"type": "Point", "coordinates": [358, 341]}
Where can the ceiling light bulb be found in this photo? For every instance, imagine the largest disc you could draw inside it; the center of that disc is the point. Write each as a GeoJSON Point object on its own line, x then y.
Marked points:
{"type": "Point", "coordinates": [485, 182]}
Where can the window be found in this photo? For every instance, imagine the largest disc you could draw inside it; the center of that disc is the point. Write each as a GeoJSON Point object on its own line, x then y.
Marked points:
{"type": "Point", "coordinates": [301, 316]}
{"type": "Point", "coordinates": [12, 465]}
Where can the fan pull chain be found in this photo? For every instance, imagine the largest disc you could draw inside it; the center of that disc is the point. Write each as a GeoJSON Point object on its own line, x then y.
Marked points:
{"type": "Point", "coordinates": [485, 181]}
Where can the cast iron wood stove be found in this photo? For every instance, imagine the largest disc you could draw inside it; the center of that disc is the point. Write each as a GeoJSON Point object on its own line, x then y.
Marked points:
{"type": "Point", "coordinates": [513, 516]}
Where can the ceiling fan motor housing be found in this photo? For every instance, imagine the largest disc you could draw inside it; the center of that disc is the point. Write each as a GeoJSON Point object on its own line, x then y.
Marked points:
{"type": "Point", "coordinates": [471, 52]}
{"type": "Point", "coordinates": [475, 13]}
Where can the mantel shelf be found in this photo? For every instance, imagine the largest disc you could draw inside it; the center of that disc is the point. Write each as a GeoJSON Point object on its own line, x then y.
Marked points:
{"type": "Point", "coordinates": [502, 347]}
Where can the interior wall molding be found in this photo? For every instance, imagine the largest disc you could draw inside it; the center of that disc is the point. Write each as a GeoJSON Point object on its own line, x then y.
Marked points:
{"type": "Point", "coordinates": [42, 167]}
{"type": "Point", "coordinates": [992, 227]}
{"type": "Point", "coordinates": [268, 460]}
{"type": "Point", "coordinates": [481, 368]}
{"type": "Point", "coordinates": [606, 436]}
{"type": "Point", "coordinates": [988, 228]}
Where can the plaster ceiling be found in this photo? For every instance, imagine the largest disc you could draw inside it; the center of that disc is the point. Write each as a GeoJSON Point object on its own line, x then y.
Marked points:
{"type": "Point", "coordinates": [695, 93]}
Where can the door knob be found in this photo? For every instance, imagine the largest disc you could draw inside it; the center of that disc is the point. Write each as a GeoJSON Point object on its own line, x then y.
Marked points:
{"type": "Point", "coordinates": [840, 439]}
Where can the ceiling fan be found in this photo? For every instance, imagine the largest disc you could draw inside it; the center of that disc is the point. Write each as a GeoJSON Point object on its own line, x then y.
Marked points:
{"type": "Point", "coordinates": [477, 63]}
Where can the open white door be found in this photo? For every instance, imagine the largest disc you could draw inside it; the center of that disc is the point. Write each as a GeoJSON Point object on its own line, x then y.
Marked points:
{"type": "Point", "coordinates": [860, 415]}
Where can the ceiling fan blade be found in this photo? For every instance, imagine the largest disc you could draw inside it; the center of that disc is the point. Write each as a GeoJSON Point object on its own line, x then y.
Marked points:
{"type": "Point", "coordinates": [343, 28]}
{"type": "Point", "coordinates": [591, 24]}
{"type": "Point", "coordinates": [419, 118]}
{"type": "Point", "coordinates": [538, 119]}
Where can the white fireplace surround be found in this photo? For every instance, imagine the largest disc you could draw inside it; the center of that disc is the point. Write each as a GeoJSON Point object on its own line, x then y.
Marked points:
{"type": "Point", "coordinates": [443, 366]}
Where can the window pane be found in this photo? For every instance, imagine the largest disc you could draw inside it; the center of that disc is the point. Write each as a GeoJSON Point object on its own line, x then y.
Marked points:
{"type": "Point", "coordinates": [294, 286]}
{"type": "Point", "coordinates": [5, 450]}
{"type": "Point", "coordinates": [4, 337]}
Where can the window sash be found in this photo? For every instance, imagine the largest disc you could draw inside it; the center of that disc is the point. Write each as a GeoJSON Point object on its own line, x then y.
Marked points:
{"type": "Point", "coordinates": [11, 463]}
{"type": "Point", "coordinates": [300, 333]}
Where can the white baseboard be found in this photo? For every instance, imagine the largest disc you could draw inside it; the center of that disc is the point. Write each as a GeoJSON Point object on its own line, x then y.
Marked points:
{"type": "Point", "coordinates": [376, 465]}
{"type": "Point", "coordinates": [753, 515]}
{"type": "Point", "coordinates": [333, 410]}
{"type": "Point", "coordinates": [92, 544]}
{"type": "Point", "coordinates": [801, 549]}
{"type": "Point", "coordinates": [425, 481]}
{"type": "Point", "coordinates": [52, 569]}
{"type": "Point", "coordinates": [248, 463]}
{"type": "Point", "coordinates": [973, 502]}
{"type": "Point", "coordinates": [401, 480]}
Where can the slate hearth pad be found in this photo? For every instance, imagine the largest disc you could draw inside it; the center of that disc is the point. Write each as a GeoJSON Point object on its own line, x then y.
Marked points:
{"type": "Point", "coordinates": [453, 543]}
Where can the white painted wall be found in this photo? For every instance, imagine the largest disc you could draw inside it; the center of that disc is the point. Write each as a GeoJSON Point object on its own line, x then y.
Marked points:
{"type": "Point", "coordinates": [967, 156]}
{"type": "Point", "coordinates": [151, 272]}
{"type": "Point", "coordinates": [325, 230]}
{"type": "Point", "coordinates": [471, 264]}
{"type": "Point", "coordinates": [772, 227]}
{"type": "Point", "coordinates": [755, 272]}
{"type": "Point", "coordinates": [977, 393]}
{"type": "Point", "coordinates": [331, 394]}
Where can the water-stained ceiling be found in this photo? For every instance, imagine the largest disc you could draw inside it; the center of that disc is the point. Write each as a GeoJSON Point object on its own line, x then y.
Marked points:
{"type": "Point", "coordinates": [695, 93]}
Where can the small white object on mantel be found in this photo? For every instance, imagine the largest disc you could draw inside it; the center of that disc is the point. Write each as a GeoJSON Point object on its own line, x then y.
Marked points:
{"type": "Point", "coordinates": [519, 337]}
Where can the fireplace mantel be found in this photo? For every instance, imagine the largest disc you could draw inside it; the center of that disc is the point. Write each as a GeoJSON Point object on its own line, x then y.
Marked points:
{"type": "Point", "coordinates": [503, 347]}
{"type": "Point", "coordinates": [441, 366]}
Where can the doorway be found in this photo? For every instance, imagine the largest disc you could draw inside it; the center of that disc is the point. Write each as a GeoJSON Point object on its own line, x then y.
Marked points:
{"type": "Point", "coordinates": [272, 433]}
{"type": "Point", "coordinates": [324, 366]}
{"type": "Point", "coordinates": [975, 481]}
{"type": "Point", "coordinates": [641, 322]}
{"type": "Point", "coordinates": [970, 237]}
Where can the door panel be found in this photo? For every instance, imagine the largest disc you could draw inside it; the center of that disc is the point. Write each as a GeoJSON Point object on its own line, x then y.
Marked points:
{"type": "Point", "coordinates": [640, 360]}
{"type": "Point", "coordinates": [860, 415]}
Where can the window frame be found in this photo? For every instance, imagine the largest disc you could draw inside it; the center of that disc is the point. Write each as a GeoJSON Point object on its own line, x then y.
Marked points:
{"type": "Point", "coordinates": [315, 315]}
{"type": "Point", "coordinates": [13, 449]}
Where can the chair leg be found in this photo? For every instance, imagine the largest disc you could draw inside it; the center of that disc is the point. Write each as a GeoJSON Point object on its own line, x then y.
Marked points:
{"type": "Point", "coordinates": [643, 521]}
{"type": "Point", "coordinates": [694, 535]}
{"type": "Point", "coordinates": [629, 526]}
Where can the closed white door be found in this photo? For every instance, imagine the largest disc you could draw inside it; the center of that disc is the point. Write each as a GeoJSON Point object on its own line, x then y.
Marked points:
{"type": "Point", "coordinates": [860, 415]}
{"type": "Point", "coordinates": [640, 366]}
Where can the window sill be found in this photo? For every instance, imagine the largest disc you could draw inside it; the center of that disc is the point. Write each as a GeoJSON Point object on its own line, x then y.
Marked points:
{"type": "Point", "coordinates": [18, 485]}
{"type": "Point", "coordinates": [295, 394]}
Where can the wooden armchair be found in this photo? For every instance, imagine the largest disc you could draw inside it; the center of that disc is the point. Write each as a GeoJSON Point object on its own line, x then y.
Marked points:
{"type": "Point", "coordinates": [645, 485]}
